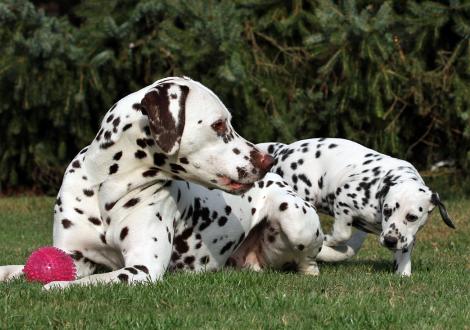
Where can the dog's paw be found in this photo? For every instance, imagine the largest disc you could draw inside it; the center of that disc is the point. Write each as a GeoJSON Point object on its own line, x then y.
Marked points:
{"type": "Point", "coordinates": [311, 270]}
{"type": "Point", "coordinates": [404, 274]}
{"type": "Point", "coordinates": [57, 285]}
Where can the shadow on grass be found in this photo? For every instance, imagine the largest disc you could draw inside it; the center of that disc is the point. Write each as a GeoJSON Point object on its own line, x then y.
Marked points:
{"type": "Point", "coordinates": [380, 266]}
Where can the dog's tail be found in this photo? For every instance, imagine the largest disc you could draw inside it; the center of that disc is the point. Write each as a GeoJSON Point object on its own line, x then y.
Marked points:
{"type": "Point", "coordinates": [10, 272]}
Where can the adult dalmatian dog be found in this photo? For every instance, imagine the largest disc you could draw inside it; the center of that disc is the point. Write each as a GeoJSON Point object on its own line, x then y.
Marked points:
{"type": "Point", "coordinates": [117, 205]}
{"type": "Point", "coordinates": [361, 188]}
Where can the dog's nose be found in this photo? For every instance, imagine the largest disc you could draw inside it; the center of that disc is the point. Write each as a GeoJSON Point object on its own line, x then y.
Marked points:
{"type": "Point", "coordinates": [262, 161]}
{"type": "Point", "coordinates": [390, 241]}
{"type": "Point", "coordinates": [266, 162]}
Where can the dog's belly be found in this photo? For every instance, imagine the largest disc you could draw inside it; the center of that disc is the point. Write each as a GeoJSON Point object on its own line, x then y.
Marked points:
{"type": "Point", "coordinates": [368, 227]}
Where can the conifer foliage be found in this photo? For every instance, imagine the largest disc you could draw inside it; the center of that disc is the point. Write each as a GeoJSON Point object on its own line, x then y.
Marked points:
{"type": "Point", "coordinates": [393, 75]}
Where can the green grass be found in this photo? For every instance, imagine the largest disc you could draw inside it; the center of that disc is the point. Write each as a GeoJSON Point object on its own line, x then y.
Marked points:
{"type": "Point", "coordinates": [361, 293]}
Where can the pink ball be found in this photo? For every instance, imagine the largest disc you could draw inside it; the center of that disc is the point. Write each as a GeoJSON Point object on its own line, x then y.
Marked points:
{"type": "Point", "coordinates": [48, 264]}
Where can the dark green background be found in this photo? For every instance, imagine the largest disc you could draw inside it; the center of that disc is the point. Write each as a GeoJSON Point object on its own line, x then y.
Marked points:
{"type": "Point", "coordinates": [393, 75]}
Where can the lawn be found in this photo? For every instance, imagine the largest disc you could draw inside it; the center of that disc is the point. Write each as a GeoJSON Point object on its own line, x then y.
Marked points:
{"type": "Point", "coordinates": [362, 293]}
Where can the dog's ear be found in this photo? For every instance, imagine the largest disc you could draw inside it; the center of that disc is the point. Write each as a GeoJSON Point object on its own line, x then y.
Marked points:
{"type": "Point", "coordinates": [382, 192]}
{"type": "Point", "coordinates": [442, 210]}
{"type": "Point", "coordinates": [165, 107]}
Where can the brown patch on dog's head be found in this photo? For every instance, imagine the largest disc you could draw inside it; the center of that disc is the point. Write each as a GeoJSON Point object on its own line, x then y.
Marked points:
{"type": "Point", "coordinates": [165, 107]}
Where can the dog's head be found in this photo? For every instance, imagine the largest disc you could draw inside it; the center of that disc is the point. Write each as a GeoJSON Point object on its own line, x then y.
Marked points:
{"type": "Point", "coordinates": [405, 209]}
{"type": "Point", "coordinates": [191, 126]}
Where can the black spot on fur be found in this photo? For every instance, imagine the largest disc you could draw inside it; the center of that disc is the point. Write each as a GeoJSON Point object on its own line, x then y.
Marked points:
{"type": "Point", "coordinates": [76, 164]}
{"type": "Point", "coordinates": [88, 192]}
{"type": "Point", "coordinates": [66, 223]}
{"type": "Point", "coordinates": [123, 278]}
{"type": "Point", "coordinates": [175, 168]}
{"type": "Point", "coordinates": [140, 154]}
{"type": "Point", "coordinates": [142, 268]}
{"type": "Point", "coordinates": [189, 260]}
{"type": "Point", "coordinates": [159, 159]}
{"type": "Point", "coordinates": [131, 270]}
{"type": "Point", "coordinates": [106, 144]}
{"type": "Point", "coordinates": [109, 206]}
{"type": "Point", "coordinates": [113, 168]}
{"type": "Point", "coordinates": [131, 202]}
{"type": "Point", "coordinates": [222, 221]}
{"type": "Point", "coordinates": [226, 247]}
{"type": "Point", "coordinates": [124, 233]}
{"type": "Point", "coordinates": [141, 143]}
{"type": "Point", "coordinates": [150, 173]}
{"type": "Point", "coordinates": [95, 221]}
{"type": "Point", "coordinates": [283, 206]}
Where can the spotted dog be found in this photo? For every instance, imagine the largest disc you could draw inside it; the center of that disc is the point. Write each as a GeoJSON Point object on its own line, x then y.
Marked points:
{"type": "Point", "coordinates": [272, 223]}
{"type": "Point", "coordinates": [115, 208]}
{"type": "Point", "coordinates": [361, 188]}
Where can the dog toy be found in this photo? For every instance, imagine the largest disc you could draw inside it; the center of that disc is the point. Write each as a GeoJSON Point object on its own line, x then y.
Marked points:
{"type": "Point", "coordinates": [48, 264]}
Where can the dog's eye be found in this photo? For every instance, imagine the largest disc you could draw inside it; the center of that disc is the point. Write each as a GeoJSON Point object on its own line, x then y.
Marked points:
{"type": "Point", "coordinates": [220, 126]}
{"type": "Point", "coordinates": [411, 217]}
{"type": "Point", "coordinates": [387, 212]}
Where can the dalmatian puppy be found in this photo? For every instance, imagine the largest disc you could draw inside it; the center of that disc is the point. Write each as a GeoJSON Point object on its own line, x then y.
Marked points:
{"type": "Point", "coordinates": [115, 208]}
{"type": "Point", "coordinates": [272, 223]}
{"type": "Point", "coordinates": [361, 188]}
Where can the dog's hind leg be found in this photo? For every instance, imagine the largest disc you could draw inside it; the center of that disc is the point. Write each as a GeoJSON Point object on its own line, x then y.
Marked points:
{"type": "Point", "coordinates": [344, 251]}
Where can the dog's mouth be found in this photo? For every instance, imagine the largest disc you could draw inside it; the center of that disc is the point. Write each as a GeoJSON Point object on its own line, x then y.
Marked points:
{"type": "Point", "coordinates": [234, 186]}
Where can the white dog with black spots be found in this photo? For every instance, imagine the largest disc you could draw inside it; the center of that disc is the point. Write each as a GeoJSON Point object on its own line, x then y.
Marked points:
{"type": "Point", "coordinates": [273, 225]}
{"type": "Point", "coordinates": [174, 128]}
{"type": "Point", "coordinates": [360, 188]}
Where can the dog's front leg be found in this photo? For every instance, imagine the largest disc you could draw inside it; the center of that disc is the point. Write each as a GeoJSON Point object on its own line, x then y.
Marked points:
{"type": "Point", "coordinates": [402, 263]}
{"type": "Point", "coordinates": [145, 240]}
{"type": "Point", "coordinates": [142, 265]}
{"type": "Point", "coordinates": [342, 227]}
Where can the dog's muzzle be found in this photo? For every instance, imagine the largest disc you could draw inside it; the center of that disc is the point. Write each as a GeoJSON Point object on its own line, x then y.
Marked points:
{"type": "Point", "coordinates": [390, 242]}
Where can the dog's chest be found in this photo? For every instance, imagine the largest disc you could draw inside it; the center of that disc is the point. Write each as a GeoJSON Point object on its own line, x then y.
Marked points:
{"type": "Point", "coordinates": [208, 228]}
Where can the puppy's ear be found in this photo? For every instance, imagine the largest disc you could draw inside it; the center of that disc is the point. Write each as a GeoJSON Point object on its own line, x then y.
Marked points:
{"type": "Point", "coordinates": [442, 210]}
{"type": "Point", "coordinates": [382, 192]}
{"type": "Point", "coordinates": [165, 106]}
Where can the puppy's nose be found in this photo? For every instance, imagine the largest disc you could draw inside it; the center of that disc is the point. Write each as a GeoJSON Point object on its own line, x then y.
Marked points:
{"type": "Point", "coordinates": [261, 161]}
{"type": "Point", "coordinates": [390, 241]}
